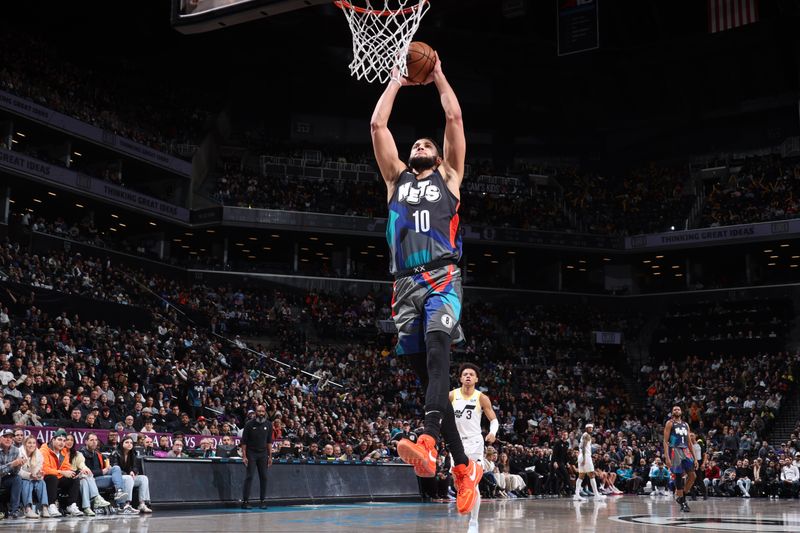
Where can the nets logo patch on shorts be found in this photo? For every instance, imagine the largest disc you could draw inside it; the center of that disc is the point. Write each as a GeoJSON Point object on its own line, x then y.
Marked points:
{"type": "Point", "coordinates": [448, 321]}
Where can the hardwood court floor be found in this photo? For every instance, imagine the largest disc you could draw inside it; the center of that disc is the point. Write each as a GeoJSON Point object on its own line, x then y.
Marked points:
{"type": "Point", "coordinates": [622, 514]}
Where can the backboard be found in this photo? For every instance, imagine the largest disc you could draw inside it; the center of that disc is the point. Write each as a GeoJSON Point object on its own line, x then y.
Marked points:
{"type": "Point", "coordinates": [198, 16]}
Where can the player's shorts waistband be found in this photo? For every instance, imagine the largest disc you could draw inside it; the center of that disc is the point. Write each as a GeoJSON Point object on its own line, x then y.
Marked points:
{"type": "Point", "coordinates": [426, 267]}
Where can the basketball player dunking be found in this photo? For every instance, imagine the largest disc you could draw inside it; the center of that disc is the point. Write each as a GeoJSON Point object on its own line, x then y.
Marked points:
{"type": "Point", "coordinates": [586, 465]}
{"type": "Point", "coordinates": [678, 445]}
{"type": "Point", "coordinates": [469, 404]}
{"type": "Point", "coordinates": [425, 245]}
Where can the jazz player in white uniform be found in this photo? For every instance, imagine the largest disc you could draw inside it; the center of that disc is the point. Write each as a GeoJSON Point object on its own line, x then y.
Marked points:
{"type": "Point", "coordinates": [469, 405]}
{"type": "Point", "coordinates": [585, 465]}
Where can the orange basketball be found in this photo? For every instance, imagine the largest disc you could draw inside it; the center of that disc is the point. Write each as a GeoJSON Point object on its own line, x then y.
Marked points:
{"type": "Point", "coordinates": [420, 61]}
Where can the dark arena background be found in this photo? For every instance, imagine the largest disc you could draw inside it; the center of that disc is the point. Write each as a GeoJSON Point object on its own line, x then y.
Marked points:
{"type": "Point", "coordinates": [194, 225]}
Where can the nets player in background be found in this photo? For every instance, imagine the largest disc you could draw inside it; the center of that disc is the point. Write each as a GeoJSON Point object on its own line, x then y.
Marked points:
{"type": "Point", "coordinates": [586, 465]}
{"type": "Point", "coordinates": [678, 455]}
{"type": "Point", "coordinates": [469, 405]}
{"type": "Point", "coordinates": [425, 247]}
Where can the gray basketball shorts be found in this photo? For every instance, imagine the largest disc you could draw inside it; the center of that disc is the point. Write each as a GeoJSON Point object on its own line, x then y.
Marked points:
{"type": "Point", "coordinates": [421, 303]}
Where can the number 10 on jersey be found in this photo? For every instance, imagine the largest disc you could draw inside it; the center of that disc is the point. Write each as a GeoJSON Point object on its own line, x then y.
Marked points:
{"type": "Point", "coordinates": [422, 221]}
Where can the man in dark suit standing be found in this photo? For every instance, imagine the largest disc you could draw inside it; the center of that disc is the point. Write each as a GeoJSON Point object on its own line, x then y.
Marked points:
{"type": "Point", "coordinates": [559, 466]}
{"type": "Point", "coordinates": [256, 446]}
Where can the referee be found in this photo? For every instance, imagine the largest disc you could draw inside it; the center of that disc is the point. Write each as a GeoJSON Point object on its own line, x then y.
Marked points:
{"type": "Point", "coordinates": [256, 447]}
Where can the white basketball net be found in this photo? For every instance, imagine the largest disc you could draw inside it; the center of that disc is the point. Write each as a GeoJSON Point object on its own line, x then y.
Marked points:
{"type": "Point", "coordinates": [382, 31]}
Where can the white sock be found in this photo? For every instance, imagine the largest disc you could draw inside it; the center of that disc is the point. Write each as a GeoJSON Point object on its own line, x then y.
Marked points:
{"type": "Point", "coordinates": [593, 482]}
{"type": "Point", "coordinates": [473, 518]}
{"type": "Point", "coordinates": [578, 483]}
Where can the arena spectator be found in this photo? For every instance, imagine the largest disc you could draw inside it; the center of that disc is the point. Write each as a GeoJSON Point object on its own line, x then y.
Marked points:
{"type": "Point", "coordinates": [647, 200]}
{"type": "Point", "coordinates": [772, 474]}
{"type": "Point", "coordinates": [176, 451]}
{"type": "Point", "coordinates": [659, 478]}
{"type": "Point", "coordinates": [75, 420]}
{"type": "Point", "coordinates": [490, 486]}
{"type": "Point", "coordinates": [508, 483]}
{"type": "Point", "coordinates": [744, 477]}
{"type": "Point", "coordinates": [59, 475]}
{"type": "Point", "coordinates": [227, 448]}
{"type": "Point", "coordinates": [201, 428]}
{"type": "Point", "coordinates": [206, 450]}
{"type": "Point", "coordinates": [105, 475]}
{"type": "Point", "coordinates": [11, 461]}
{"type": "Point", "coordinates": [757, 190]}
{"type": "Point", "coordinates": [521, 205]}
{"type": "Point", "coordinates": [759, 485]}
{"type": "Point", "coordinates": [444, 477]}
{"type": "Point", "coordinates": [148, 449]}
{"type": "Point", "coordinates": [125, 458]}
{"type": "Point", "coordinates": [111, 444]}
{"type": "Point", "coordinates": [641, 475]}
{"type": "Point", "coordinates": [37, 70]}
{"type": "Point", "coordinates": [19, 439]}
{"type": "Point", "coordinates": [712, 477]}
{"type": "Point", "coordinates": [790, 478]}
{"type": "Point", "coordinates": [25, 417]}
{"type": "Point", "coordinates": [727, 482]}
{"type": "Point", "coordinates": [90, 495]}
{"type": "Point", "coordinates": [163, 447]}
{"type": "Point", "coordinates": [553, 342]}
{"type": "Point", "coordinates": [11, 389]}
{"type": "Point", "coordinates": [32, 477]}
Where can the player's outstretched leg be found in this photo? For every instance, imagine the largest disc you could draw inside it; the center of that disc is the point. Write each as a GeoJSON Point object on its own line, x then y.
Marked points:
{"type": "Point", "coordinates": [433, 370]}
{"type": "Point", "coordinates": [422, 454]}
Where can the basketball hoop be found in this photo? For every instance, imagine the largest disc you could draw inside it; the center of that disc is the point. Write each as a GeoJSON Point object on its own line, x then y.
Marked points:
{"type": "Point", "coordinates": [381, 35]}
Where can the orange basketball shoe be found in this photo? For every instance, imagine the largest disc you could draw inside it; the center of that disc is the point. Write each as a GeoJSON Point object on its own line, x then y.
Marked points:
{"type": "Point", "coordinates": [466, 479]}
{"type": "Point", "coordinates": [421, 455]}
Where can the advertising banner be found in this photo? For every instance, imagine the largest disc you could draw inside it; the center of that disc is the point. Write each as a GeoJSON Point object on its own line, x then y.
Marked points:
{"type": "Point", "coordinates": [28, 166]}
{"type": "Point", "coordinates": [44, 115]}
{"type": "Point", "coordinates": [45, 433]}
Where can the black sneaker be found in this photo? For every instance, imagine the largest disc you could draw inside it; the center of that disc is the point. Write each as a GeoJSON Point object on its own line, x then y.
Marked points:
{"type": "Point", "coordinates": [683, 504]}
{"type": "Point", "coordinates": [263, 504]}
{"type": "Point", "coordinates": [246, 505]}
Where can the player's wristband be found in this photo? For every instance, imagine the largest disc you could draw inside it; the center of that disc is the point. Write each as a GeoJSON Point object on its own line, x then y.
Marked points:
{"type": "Point", "coordinates": [494, 426]}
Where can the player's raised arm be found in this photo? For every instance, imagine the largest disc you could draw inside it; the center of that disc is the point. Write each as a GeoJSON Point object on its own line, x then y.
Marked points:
{"type": "Point", "coordinates": [455, 143]}
{"type": "Point", "coordinates": [382, 140]}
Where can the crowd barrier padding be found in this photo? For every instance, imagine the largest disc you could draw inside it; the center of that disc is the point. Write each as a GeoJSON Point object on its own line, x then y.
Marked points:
{"type": "Point", "coordinates": [220, 481]}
